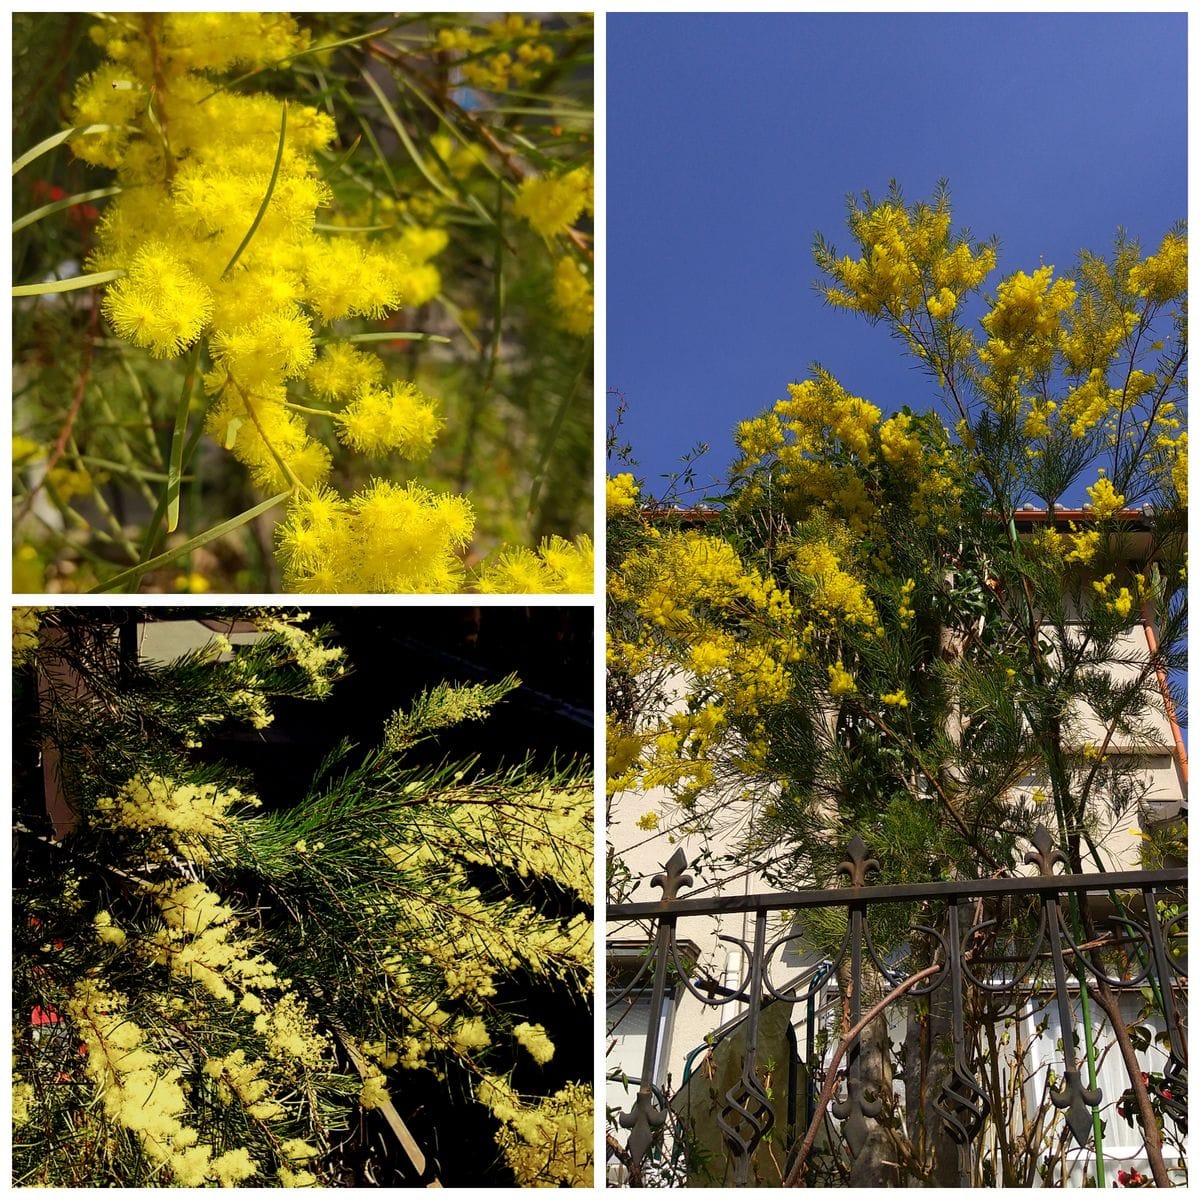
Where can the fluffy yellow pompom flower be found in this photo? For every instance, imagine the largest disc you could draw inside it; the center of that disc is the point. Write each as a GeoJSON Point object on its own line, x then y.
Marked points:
{"type": "Point", "coordinates": [401, 419]}
{"type": "Point", "coordinates": [160, 304]}
{"type": "Point", "coordinates": [1105, 500]}
{"type": "Point", "coordinates": [558, 567]}
{"type": "Point", "coordinates": [573, 297]}
{"type": "Point", "coordinates": [620, 493]}
{"type": "Point", "coordinates": [534, 1039]}
{"type": "Point", "coordinates": [552, 205]}
{"type": "Point", "coordinates": [340, 372]}
{"type": "Point", "coordinates": [374, 1093]}
{"type": "Point", "coordinates": [841, 682]}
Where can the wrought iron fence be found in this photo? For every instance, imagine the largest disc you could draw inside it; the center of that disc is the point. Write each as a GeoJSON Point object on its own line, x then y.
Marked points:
{"type": "Point", "coordinates": [1061, 937]}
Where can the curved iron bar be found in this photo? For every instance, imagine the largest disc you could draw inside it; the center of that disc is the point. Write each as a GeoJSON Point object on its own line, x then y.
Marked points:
{"type": "Point", "coordinates": [1074, 1097]}
{"type": "Point", "coordinates": [961, 1103]}
{"type": "Point", "coordinates": [894, 977]}
{"type": "Point", "coordinates": [1178, 966]}
{"type": "Point", "coordinates": [1008, 984]}
{"type": "Point", "coordinates": [775, 994]}
{"type": "Point", "coordinates": [1088, 962]}
{"type": "Point", "coordinates": [707, 997]}
{"type": "Point", "coordinates": [643, 970]}
{"type": "Point", "coordinates": [749, 1090]}
{"type": "Point", "coordinates": [746, 1104]}
{"type": "Point", "coordinates": [1173, 1093]}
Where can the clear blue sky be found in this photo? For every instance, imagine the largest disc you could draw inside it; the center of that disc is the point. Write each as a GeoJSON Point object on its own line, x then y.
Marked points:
{"type": "Point", "coordinates": [733, 139]}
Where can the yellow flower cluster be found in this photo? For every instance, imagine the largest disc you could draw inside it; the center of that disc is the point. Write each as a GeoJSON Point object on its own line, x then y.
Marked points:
{"type": "Point", "coordinates": [1089, 403]}
{"type": "Point", "coordinates": [911, 264]}
{"type": "Point", "coordinates": [143, 1095]}
{"type": "Point", "coordinates": [386, 538]}
{"type": "Point", "coordinates": [835, 594]}
{"type": "Point", "coordinates": [322, 664]}
{"type": "Point", "coordinates": [557, 567]}
{"type": "Point", "coordinates": [291, 1033]}
{"type": "Point", "coordinates": [401, 420]}
{"type": "Point", "coordinates": [25, 625]}
{"type": "Point", "coordinates": [546, 1144]}
{"type": "Point", "coordinates": [620, 494]}
{"type": "Point", "coordinates": [573, 297]}
{"type": "Point", "coordinates": [1105, 500]}
{"type": "Point", "coordinates": [553, 203]}
{"type": "Point", "coordinates": [698, 604]}
{"type": "Point", "coordinates": [1084, 544]}
{"type": "Point", "coordinates": [1163, 276]}
{"type": "Point", "coordinates": [195, 164]}
{"type": "Point", "coordinates": [841, 682]}
{"type": "Point", "coordinates": [194, 817]}
{"type": "Point", "coordinates": [1025, 327]}
{"type": "Point", "coordinates": [374, 1093]}
{"type": "Point", "coordinates": [534, 1039]}
{"type": "Point", "coordinates": [508, 54]}
{"type": "Point", "coordinates": [199, 942]}
{"type": "Point", "coordinates": [237, 1077]}
{"type": "Point", "coordinates": [900, 446]}
{"type": "Point", "coordinates": [897, 699]}
{"type": "Point", "coordinates": [905, 611]}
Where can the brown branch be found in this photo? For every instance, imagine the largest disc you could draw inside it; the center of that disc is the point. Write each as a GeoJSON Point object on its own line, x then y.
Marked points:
{"type": "Point", "coordinates": [795, 1175]}
{"type": "Point", "coordinates": [1141, 1094]}
{"type": "Point", "coordinates": [64, 435]}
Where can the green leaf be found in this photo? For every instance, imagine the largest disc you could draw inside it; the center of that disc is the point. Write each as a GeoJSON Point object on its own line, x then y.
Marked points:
{"type": "Point", "coordinates": [58, 205]}
{"type": "Point", "coordinates": [262, 208]}
{"type": "Point", "coordinates": [201, 539]}
{"type": "Point", "coordinates": [175, 467]}
{"type": "Point", "coordinates": [402, 134]}
{"type": "Point", "coordinates": [57, 139]}
{"type": "Point", "coordinates": [389, 336]}
{"type": "Point", "coordinates": [66, 285]}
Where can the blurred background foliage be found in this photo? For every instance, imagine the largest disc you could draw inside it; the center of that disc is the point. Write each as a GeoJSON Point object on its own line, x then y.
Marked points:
{"type": "Point", "coordinates": [440, 117]}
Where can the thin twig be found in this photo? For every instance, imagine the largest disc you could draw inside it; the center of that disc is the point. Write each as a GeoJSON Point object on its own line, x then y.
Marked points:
{"type": "Point", "coordinates": [64, 435]}
{"type": "Point", "coordinates": [796, 1174]}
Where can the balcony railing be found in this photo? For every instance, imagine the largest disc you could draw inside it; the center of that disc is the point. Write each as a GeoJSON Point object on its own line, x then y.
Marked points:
{"type": "Point", "coordinates": [973, 951]}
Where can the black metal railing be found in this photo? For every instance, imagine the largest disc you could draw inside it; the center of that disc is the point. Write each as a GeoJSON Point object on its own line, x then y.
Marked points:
{"type": "Point", "coordinates": [1064, 938]}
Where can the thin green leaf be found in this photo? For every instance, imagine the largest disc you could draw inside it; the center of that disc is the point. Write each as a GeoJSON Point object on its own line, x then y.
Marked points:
{"type": "Point", "coordinates": [388, 336]}
{"type": "Point", "coordinates": [291, 58]}
{"type": "Point", "coordinates": [175, 466]}
{"type": "Point", "coordinates": [262, 208]}
{"type": "Point", "coordinates": [402, 134]}
{"type": "Point", "coordinates": [57, 139]}
{"type": "Point", "coordinates": [556, 429]}
{"type": "Point", "coordinates": [201, 539]}
{"type": "Point", "coordinates": [58, 205]}
{"type": "Point", "coordinates": [66, 285]}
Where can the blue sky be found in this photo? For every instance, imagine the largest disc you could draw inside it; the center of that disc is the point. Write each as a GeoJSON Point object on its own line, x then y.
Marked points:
{"type": "Point", "coordinates": [732, 139]}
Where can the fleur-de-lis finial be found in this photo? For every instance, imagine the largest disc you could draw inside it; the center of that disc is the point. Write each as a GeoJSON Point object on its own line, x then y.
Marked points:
{"type": "Point", "coordinates": [672, 877]}
{"type": "Point", "coordinates": [1044, 855]}
{"type": "Point", "coordinates": [858, 864]}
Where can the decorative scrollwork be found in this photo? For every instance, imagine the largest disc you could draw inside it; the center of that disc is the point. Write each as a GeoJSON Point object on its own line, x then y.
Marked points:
{"type": "Point", "coordinates": [745, 1118]}
{"type": "Point", "coordinates": [963, 1105]}
{"type": "Point", "coordinates": [854, 1111]}
{"type": "Point", "coordinates": [1172, 1092]}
